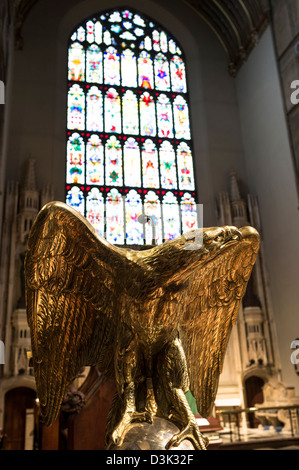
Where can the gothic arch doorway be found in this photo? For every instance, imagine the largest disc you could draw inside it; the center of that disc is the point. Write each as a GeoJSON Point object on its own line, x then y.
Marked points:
{"type": "Point", "coordinates": [17, 401]}
{"type": "Point", "coordinates": [254, 394]}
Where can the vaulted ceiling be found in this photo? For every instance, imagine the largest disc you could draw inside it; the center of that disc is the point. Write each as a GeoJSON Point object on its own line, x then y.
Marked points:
{"type": "Point", "coordinates": [238, 24]}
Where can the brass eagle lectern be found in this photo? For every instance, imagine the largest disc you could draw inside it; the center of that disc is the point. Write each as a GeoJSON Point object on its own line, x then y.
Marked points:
{"type": "Point", "coordinates": [157, 321]}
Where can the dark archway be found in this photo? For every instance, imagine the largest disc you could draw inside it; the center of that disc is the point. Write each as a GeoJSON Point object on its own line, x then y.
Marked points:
{"type": "Point", "coordinates": [254, 395]}
{"type": "Point", "coordinates": [17, 401]}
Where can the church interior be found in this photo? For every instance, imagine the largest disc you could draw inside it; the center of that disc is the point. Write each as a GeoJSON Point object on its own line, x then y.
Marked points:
{"type": "Point", "coordinates": [227, 72]}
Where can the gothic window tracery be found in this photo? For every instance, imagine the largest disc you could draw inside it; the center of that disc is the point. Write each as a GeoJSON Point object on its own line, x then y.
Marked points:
{"type": "Point", "coordinates": [129, 148]}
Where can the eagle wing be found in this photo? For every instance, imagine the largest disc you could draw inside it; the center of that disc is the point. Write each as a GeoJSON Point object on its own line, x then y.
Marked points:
{"type": "Point", "coordinates": [72, 277]}
{"type": "Point", "coordinates": [210, 307]}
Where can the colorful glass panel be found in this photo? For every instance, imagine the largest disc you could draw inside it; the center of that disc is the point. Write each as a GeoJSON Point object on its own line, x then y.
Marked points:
{"type": "Point", "coordinates": [75, 159]}
{"type": "Point", "coordinates": [164, 117]}
{"type": "Point", "coordinates": [138, 32]}
{"type": "Point", "coordinates": [94, 64]}
{"type": "Point", "coordinates": [147, 43]}
{"type": "Point", "coordinates": [76, 108]}
{"type": "Point", "coordinates": [171, 217]}
{"type": "Point", "coordinates": [94, 161]}
{"type": "Point", "coordinates": [107, 38]}
{"type": "Point", "coordinates": [90, 31]}
{"type": "Point", "coordinates": [115, 17]}
{"type": "Point", "coordinates": [185, 167]}
{"type": "Point", "coordinates": [147, 115]}
{"type": "Point", "coordinates": [162, 81]}
{"type": "Point", "coordinates": [152, 208]}
{"type": "Point", "coordinates": [75, 199]}
{"type": "Point", "coordinates": [94, 110]}
{"type": "Point", "coordinates": [173, 48]}
{"type": "Point", "coordinates": [132, 169]}
{"type": "Point", "coordinates": [181, 118]}
{"type": "Point", "coordinates": [168, 166]}
{"type": "Point", "coordinates": [115, 217]}
{"type": "Point", "coordinates": [163, 41]}
{"type": "Point", "coordinates": [178, 75]}
{"type": "Point", "coordinates": [128, 68]}
{"type": "Point", "coordinates": [188, 213]}
{"type": "Point", "coordinates": [111, 66]}
{"type": "Point", "coordinates": [130, 87]}
{"type": "Point", "coordinates": [95, 210]}
{"type": "Point", "coordinates": [76, 62]}
{"type": "Point", "coordinates": [139, 21]}
{"type": "Point", "coordinates": [127, 14]}
{"type": "Point", "coordinates": [98, 32]}
{"type": "Point", "coordinates": [112, 111]}
{"type": "Point", "coordinates": [127, 35]}
{"type": "Point", "coordinates": [133, 208]}
{"type": "Point", "coordinates": [156, 40]}
{"type": "Point", "coordinates": [145, 70]}
{"type": "Point", "coordinates": [81, 34]}
{"type": "Point", "coordinates": [127, 24]}
{"type": "Point", "coordinates": [130, 113]}
{"type": "Point", "coordinates": [116, 28]}
{"type": "Point", "coordinates": [150, 169]}
{"type": "Point", "coordinates": [114, 175]}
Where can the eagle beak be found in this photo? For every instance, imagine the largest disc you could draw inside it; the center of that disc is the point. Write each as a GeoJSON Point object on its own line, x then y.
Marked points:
{"type": "Point", "coordinates": [237, 235]}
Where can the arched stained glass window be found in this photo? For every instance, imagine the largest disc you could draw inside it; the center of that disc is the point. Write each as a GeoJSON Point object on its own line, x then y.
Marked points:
{"type": "Point", "coordinates": [128, 148]}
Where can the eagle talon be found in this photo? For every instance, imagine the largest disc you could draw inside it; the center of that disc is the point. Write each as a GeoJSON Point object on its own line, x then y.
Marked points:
{"type": "Point", "coordinates": [130, 417]}
{"type": "Point", "coordinates": [191, 433]}
{"type": "Point", "coordinates": [143, 416]}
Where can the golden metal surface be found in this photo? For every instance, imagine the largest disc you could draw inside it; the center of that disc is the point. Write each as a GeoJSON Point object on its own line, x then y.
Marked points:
{"type": "Point", "coordinates": [157, 321]}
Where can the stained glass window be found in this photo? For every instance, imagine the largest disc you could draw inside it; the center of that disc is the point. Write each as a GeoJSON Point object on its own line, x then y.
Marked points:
{"type": "Point", "coordinates": [113, 153]}
{"type": "Point", "coordinates": [76, 65]}
{"type": "Point", "coordinates": [132, 163]}
{"type": "Point", "coordinates": [178, 77]}
{"type": "Point", "coordinates": [112, 111]}
{"type": "Point", "coordinates": [75, 159]}
{"type": "Point", "coordinates": [185, 167]}
{"type": "Point", "coordinates": [145, 70]}
{"type": "Point", "coordinates": [147, 114]}
{"type": "Point", "coordinates": [164, 116]}
{"type": "Point", "coordinates": [171, 216]}
{"type": "Point", "coordinates": [128, 68]}
{"type": "Point", "coordinates": [134, 229]}
{"type": "Point", "coordinates": [152, 208]}
{"type": "Point", "coordinates": [130, 113]}
{"type": "Point", "coordinates": [115, 217]}
{"type": "Point", "coordinates": [128, 147]}
{"type": "Point", "coordinates": [111, 66]}
{"type": "Point", "coordinates": [94, 109]}
{"type": "Point", "coordinates": [94, 68]}
{"type": "Point", "coordinates": [75, 198]}
{"type": "Point", "coordinates": [94, 161]}
{"type": "Point", "coordinates": [168, 166]}
{"type": "Point", "coordinates": [162, 80]}
{"type": "Point", "coordinates": [95, 210]}
{"type": "Point", "coordinates": [76, 108]}
{"type": "Point", "coordinates": [188, 213]}
{"type": "Point", "coordinates": [150, 169]}
{"type": "Point", "coordinates": [181, 118]}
